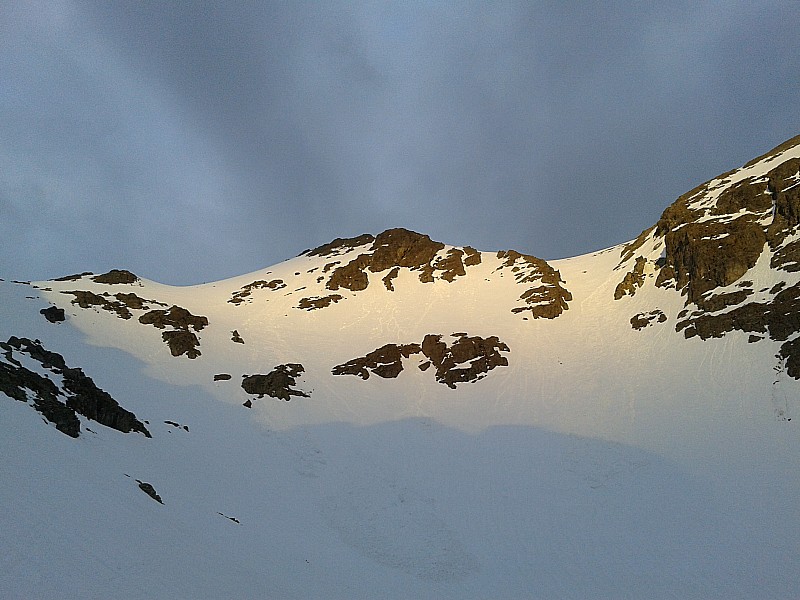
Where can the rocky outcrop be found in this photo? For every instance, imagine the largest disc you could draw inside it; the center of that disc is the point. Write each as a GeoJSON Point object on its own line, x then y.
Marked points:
{"type": "Point", "coordinates": [245, 292]}
{"type": "Point", "coordinates": [121, 305]}
{"type": "Point", "coordinates": [392, 250]}
{"type": "Point", "coordinates": [278, 383]}
{"type": "Point", "coordinates": [149, 490]}
{"type": "Point", "coordinates": [73, 277]}
{"type": "Point", "coordinates": [81, 395]}
{"type": "Point", "coordinates": [386, 362]}
{"type": "Point", "coordinates": [340, 246]}
{"type": "Point", "coordinates": [642, 320]}
{"type": "Point", "coordinates": [465, 359]}
{"type": "Point", "coordinates": [718, 232]}
{"type": "Point", "coordinates": [115, 277]}
{"type": "Point", "coordinates": [179, 339]}
{"type": "Point", "coordinates": [53, 314]}
{"type": "Point", "coordinates": [545, 296]}
{"type": "Point", "coordinates": [314, 303]}
{"type": "Point", "coordinates": [633, 279]}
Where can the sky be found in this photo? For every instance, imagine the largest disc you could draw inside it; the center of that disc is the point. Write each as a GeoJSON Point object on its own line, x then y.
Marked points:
{"type": "Point", "coordinates": [195, 141]}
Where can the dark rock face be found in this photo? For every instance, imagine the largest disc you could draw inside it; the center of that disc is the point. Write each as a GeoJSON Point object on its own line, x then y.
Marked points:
{"type": "Point", "coordinates": [278, 383]}
{"type": "Point", "coordinates": [149, 490]}
{"type": "Point", "coordinates": [712, 241]}
{"type": "Point", "coordinates": [392, 250]}
{"type": "Point", "coordinates": [633, 279]}
{"type": "Point", "coordinates": [340, 246]}
{"type": "Point", "coordinates": [83, 397]}
{"type": "Point", "coordinates": [176, 317]}
{"type": "Point", "coordinates": [466, 359]}
{"type": "Point", "coordinates": [385, 362]}
{"type": "Point", "coordinates": [642, 320]}
{"type": "Point", "coordinates": [116, 276]}
{"type": "Point", "coordinates": [121, 305]}
{"type": "Point", "coordinates": [546, 300]}
{"type": "Point", "coordinates": [222, 377]}
{"type": "Point", "coordinates": [245, 292]}
{"type": "Point", "coordinates": [314, 303]}
{"type": "Point", "coordinates": [74, 277]}
{"type": "Point", "coordinates": [53, 314]}
{"type": "Point", "coordinates": [180, 340]}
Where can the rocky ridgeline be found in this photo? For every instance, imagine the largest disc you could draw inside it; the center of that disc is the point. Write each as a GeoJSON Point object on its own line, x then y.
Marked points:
{"type": "Point", "coordinates": [713, 235]}
{"type": "Point", "coordinates": [177, 321]}
{"type": "Point", "coordinates": [390, 251]}
{"type": "Point", "coordinates": [466, 359]}
{"type": "Point", "coordinates": [545, 296]}
{"type": "Point", "coordinates": [60, 404]}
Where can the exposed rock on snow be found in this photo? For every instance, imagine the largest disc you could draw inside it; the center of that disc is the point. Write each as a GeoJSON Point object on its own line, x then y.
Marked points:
{"type": "Point", "coordinates": [314, 303]}
{"type": "Point", "coordinates": [642, 320]}
{"type": "Point", "coordinates": [245, 292]}
{"type": "Point", "coordinates": [82, 396]}
{"type": "Point", "coordinates": [278, 383]}
{"type": "Point", "coordinates": [180, 340]}
{"type": "Point", "coordinates": [546, 300]}
{"type": "Point", "coordinates": [466, 359]}
{"type": "Point", "coordinates": [116, 276]}
{"type": "Point", "coordinates": [633, 279]}
{"type": "Point", "coordinates": [394, 249]}
{"type": "Point", "coordinates": [149, 490]}
{"type": "Point", "coordinates": [53, 314]}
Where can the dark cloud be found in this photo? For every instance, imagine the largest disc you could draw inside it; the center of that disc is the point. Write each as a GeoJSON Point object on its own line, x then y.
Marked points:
{"type": "Point", "coordinates": [194, 141]}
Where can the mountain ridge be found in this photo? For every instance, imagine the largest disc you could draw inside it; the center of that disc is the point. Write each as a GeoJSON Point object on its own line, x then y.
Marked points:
{"type": "Point", "coordinates": [390, 415]}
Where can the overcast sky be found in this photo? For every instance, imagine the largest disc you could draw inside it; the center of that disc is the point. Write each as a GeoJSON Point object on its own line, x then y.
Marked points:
{"type": "Point", "coordinates": [190, 142]}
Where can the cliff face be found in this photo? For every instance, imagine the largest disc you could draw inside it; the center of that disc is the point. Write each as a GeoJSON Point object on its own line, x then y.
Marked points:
{"type": "Point", "coordinates": [712, 239]}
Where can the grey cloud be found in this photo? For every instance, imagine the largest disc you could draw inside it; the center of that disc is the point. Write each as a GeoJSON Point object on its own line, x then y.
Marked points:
{"type": "Point", "coordinates": [197, 140]}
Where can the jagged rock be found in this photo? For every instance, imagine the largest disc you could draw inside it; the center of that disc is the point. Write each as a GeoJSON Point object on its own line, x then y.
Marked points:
{"type": "Point", "coordinates": [116, 276]}
{"type": "Point", "coordinates": [15, 380]}
{"type": "Point", "coordinates": [181, 342]}
{"type": "Point", "coordinates": [240, 296]}
{"type": "Point", "coordinates": [395, 249]}
{"type": "Point", "coordinates": [318, 302]}
{"type": "Point", "coordinates": [83, 397]}
{"type": "Point", "coordinates": [384, 362]}
{"type": "Point", "coordinates": [480, 356]}
{"type": "Point", "coordinates": [351, 276]}
{"type": "Point", "coordinates": [278, 383]}
{"type": "Point", "coordinates": [53, 314]}
{"type": "Point", "coordinates": [87, 299]}
{"type": "Point", "coordinates": [149, 490]}
{"type": "Point", "coordinates": [547, 300]}
{"type": "Point", "coordinates": [629, 249]}
{"type": "Point", "coordinates": [73, 277]}
{"type": "Point", "coordinates": [633, 279]}
{"type": "Point", "coordinates": [387, 280]}
{"type": "Point", "coordinates": [176, 317]}
{"type": "Point", "coordinates": [235, 337]}
{"type": "Point", "coordinates": [642, 320]}
{"type": "Point", "coordinates": [472, 257]}
{"type": "Point", "coordinates": [340, 245]}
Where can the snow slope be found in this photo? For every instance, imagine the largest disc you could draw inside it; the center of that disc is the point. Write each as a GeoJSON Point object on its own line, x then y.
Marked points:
{"type": "Point", "coordinates": [603, 461]}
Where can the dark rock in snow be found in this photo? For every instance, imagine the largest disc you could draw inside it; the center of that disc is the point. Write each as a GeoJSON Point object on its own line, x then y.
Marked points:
{"type": "Point", "coordinates": [116, 276]}
{"type": "Point", "coordinates": [53, 314]}
{"type": "Point", "coordinates": [278, 383]}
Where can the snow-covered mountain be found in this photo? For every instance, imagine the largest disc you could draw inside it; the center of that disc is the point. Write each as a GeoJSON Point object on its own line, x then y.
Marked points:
{"type": "Point", "coordinates": [392, 417]}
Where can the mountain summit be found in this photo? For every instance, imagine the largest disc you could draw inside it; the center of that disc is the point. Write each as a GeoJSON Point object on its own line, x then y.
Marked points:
{"type": "Point", "coordinates": [391, 416]}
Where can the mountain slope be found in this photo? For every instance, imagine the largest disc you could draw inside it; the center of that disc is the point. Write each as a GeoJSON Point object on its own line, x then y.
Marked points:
{"type": "Point", "coordinates": [392, 416]}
